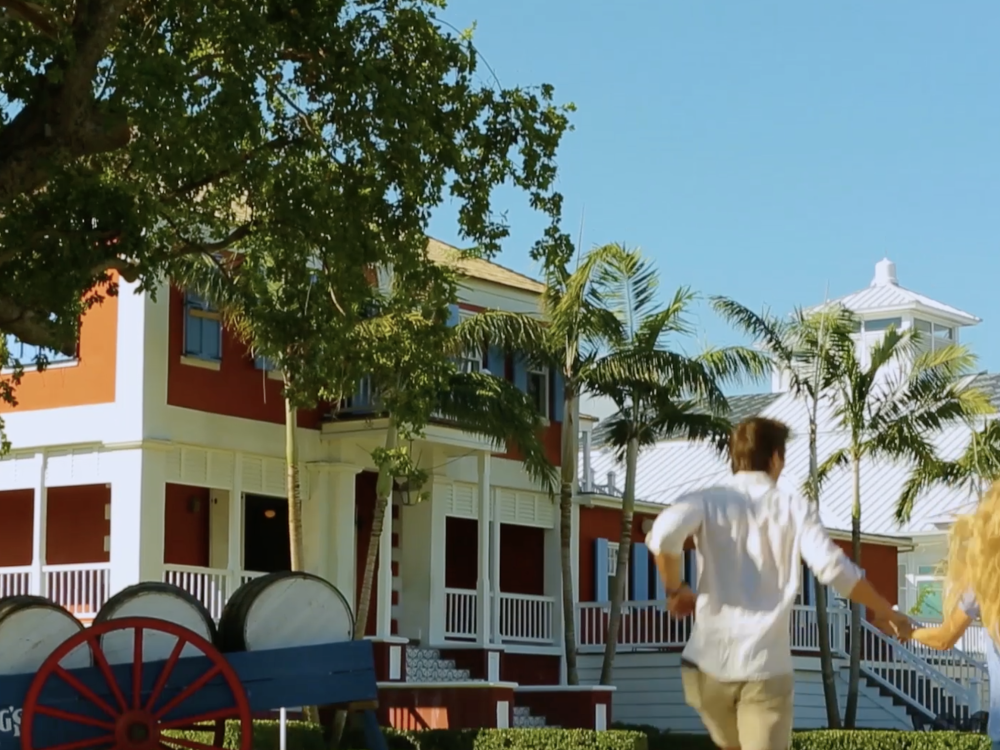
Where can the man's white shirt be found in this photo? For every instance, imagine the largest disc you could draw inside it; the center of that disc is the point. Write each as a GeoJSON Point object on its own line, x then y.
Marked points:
{"type": "Point", "coordinates": [750, 536]}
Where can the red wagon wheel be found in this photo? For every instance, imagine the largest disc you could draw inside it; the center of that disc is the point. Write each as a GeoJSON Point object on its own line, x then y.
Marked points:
{"type": "Point", "coordinates": [134, 717]}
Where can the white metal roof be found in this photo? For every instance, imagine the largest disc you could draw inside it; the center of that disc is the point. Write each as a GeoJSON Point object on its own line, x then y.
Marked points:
{"type": "Point", "coordinates": [671, 468]}
{"type": "Point", "coordinates": [885, 294]}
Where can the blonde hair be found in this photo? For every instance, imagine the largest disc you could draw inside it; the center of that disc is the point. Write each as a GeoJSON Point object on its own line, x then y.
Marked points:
{"type": "Point", "coordinates": [974, 559]}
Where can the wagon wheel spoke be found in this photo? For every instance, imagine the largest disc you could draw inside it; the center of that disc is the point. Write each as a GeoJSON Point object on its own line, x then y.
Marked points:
{"type": "Point", "coordinates": [108, 739]}
{"type": "Point", "coordinates": [190, 721]}
{"type": "Point", "coordinates": [137, 670]}
{"type": "Point", "coordinates": [85, 691]}
{"type": "Point", "coordinates": [58, 713]}
{"type": "Point", "coordinates": [101, 661]}
{"type": "Point", "coordinates": [161, 681]}
{"type": "Point", "coordinates": [187, 692]}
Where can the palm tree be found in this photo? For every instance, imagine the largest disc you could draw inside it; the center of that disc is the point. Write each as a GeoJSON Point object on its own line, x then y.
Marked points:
{"type": "Point", "coordinates": [889, 409]}
{"type": "Point", "coordinates": [675, 394]}
{"type": "Point", "coordinates": [800, 349]}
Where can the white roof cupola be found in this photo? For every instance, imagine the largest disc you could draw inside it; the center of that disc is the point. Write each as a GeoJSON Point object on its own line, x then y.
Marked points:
{"type": "Point", "coordinates": [885, 273]}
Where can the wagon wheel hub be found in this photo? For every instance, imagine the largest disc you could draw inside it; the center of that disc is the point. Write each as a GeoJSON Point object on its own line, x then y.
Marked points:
{"type": "Point", "coordinates": [137, 729]}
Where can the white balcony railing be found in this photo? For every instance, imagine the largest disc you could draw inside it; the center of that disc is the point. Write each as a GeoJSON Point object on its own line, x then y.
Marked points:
{"type": "Point", "coordinates": [460, 614]}
{"type": "Point", "coordinates": [527, 619]}
{"type": "Point", "coordinates": [16, 581]}
{"type": "Point", "coordinates": [211, 586]}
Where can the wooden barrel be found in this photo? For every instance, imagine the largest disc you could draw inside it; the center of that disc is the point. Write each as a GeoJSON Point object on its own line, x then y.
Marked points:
{"type": "Point", "coordinates": [31, 628]}
{"type": "Point", "coordinates": [161, 601]}
{"type": "Point", "coordinates": [283, 610]}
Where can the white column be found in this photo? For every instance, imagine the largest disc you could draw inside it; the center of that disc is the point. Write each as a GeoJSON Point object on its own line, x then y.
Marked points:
{"type": "Point", "coordinates": [138, 497]}
{"type": "Point", "coordinates": [234, 545]}
{"type": "Point", "coordinates": [495, 573]}
{"type": "Point", "coordinates": [574, 549]}
{"type": "Point", "coordinates": [39, 516]}
{"type": "Point", "coordinates": [484, 592]}
{"type": "Point", "coordinates": [383, 621]}
{"type": "Point", "coordinates": [584, 481]}
{"type": "Point", "coordinates": [437, 541]}
{"type": "Point", "coordinates": [341, 528]}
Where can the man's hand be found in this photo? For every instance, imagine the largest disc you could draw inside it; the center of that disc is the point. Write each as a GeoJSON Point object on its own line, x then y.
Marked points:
{"type": "Point", "coordinates": [681, 602]}
{"type": "Point", "coordinates": [895, 624]}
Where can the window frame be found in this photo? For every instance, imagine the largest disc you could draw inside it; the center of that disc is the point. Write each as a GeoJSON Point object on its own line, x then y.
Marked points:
{"type": "Point", "coordinates": [543, 373]}
{"type": "Point", "coordinates": [54, 359]}
{"type": "Point", "coordinates": [196, 306]}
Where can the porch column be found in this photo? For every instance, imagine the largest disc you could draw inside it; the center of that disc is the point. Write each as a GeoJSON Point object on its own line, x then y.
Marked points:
{"type": "Point", "coordinates": [39, 516]}
{"type": "Point", "coordinates": [436, 541]}
{"type": "Point", "coordinates": [383, 621]}
{"type": "Point", "coordinates": [484, 619]}
{"type": "Point", "coordinates": [138, 499]}
{"type": "Point", "coordinates": [234, 545]}
{"type": "Point", "coordinates": [495, 573]}
{"type": "Point", "coordinates": [341, 530]}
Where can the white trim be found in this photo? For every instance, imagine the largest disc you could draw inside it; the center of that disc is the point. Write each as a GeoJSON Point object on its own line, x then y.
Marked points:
{"type": "Point", "coordinates": [205, 364]}
{"type": "Point", "coordinates": [62, 364]}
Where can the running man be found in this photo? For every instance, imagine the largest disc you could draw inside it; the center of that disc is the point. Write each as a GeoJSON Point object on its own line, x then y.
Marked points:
{"type": "Point", "coordinates": [750, 536]}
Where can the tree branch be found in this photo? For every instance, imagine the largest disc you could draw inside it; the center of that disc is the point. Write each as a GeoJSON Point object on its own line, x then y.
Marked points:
{"type": "Point", "coordinates": [31, 14]}
{"type": "Point", "coordinates": [275, 144]}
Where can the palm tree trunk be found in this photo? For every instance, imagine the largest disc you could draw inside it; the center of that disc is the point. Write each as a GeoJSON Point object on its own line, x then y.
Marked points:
{"type": "Point", "coordinates": [851, 714]}
{"type": "Point", "coordinates": [822, 612]}
{"type": "Point", "coordinates": [567, 488]}
{"type": "Point", "coordinates": [624, 555]}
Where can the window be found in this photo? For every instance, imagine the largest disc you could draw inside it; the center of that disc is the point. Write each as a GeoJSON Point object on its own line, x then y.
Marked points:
{"type": "Point", "coordinates": [612, 562]}
{"type": "Point", "coordinates": [882, 324]}
{"type": "Point", "coordinates": [933, 335]}
{"type": "Point", "coordinates": [26, 354]}
{"type": "Point", "coordinates": [538, 389]}
{"type": "Point", "coordinates": [923, 326]}
{"type": "Point", "coordinates": [202, 329]}
{"type": "Point", "coordinates": [929, 599]}
{"type": "Point", "coordinates": [944, 332]}
{"type": "Point", "coordinates": [902, 598]}
{"type": "Point", "coordinates": [471, 361]}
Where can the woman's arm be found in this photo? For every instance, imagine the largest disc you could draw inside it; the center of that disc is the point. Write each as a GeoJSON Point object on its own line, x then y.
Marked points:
{"type": "Point", "coordinates": [946, 635]}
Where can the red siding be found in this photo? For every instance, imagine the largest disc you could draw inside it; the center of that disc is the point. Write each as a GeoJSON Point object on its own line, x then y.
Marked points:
{"type": "Point", "coordinates": [76, 526]}
{"type": "Point", "coordinates": [601, 523]}
{"type": "Point", "coordinates": [185, 533]}
{"type": "Point", "coordinates": [236, 389]}
{"type": "Point", "coordinates": [879, 562]}
{"type": "Point", "coordinates": [18, 509]}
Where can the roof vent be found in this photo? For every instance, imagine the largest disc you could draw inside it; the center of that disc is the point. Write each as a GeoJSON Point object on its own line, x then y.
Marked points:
{"type": "Point", "coordinates": [885, 273]}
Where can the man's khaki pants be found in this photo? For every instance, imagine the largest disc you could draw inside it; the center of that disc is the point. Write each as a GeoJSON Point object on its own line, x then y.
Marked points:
{"type": "Point", "coordinates": [745, 715]}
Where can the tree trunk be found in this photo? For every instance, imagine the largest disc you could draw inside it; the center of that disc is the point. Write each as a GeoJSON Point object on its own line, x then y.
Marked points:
{"type": "Point", "coordinates": [822, 612]}
{"type": "Point", "coordinates": [383, 492]}
{"type": "Point", "coordinates": [851, 714]}
{"type": "Point", "coordinates": [294, 490]}
{"type": "Point", "coordinates": [567, 489]}
{"type": "Point", "coordinates": [292, 486]}
{"type": "Point", "coordinates": [624, 555]}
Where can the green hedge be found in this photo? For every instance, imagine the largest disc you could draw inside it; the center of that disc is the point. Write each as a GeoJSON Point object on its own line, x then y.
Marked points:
{"type": "Point", "coordinates": [303, 736]}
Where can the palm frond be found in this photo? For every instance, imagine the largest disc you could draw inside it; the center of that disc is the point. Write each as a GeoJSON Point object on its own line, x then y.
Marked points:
{"type": "Point", "coordinates": [495, 409]}
{"type": "Point", "coordinates": [735, 364]}
{"type": "Point", "coordinates": [622, 372]}
{"type": "Point", "coordinates": [512, 332]}
{"type": "Point", "coordinates": [625, 283]}
{"type": "Point", "coordinates": [767, 331]}
{"type": "Point", "coordinates": [836, 460]}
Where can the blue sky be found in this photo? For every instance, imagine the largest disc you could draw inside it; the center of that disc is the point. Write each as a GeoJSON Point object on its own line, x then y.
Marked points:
{"type": "Point", "coordinates": [764, 150]}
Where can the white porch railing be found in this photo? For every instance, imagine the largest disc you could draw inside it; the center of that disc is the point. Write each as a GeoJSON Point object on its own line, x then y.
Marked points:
{"type": "Point", "coordinates": [647, 624]}
{"type": "Point", "coordinates": [526, 618]}
{"type": "Point", "coordinates": [211, 586]}
{"type": "Point", "coordinates": [974, 641]}
{"type": "Point", "coordinates": [82, 588]}
{"type": "Point", "coordinates": [523, 618]}
{"type": "Point", "coordinates": [16, 581]}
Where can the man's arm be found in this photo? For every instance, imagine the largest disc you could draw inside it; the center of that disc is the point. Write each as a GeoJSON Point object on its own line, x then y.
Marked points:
{"type": "Point", "coordinates": [833, 568]}
{"type": "Point", "coordinates": [667, 537]}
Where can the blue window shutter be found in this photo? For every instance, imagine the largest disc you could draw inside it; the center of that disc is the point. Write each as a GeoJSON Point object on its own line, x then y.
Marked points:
{"type": "Point", "coordinates": [810, 587]}
{"type": "Point", "coordinates": [453, 315]}
{"type": "Point", "coordinates": [640, 572]}
{"type": "Point", "coordinates": [211, 338]}
{"type": "Point", "coordinates": [558, 396]}
{"type": "Point", "coordinates": [496, 361]}
{"type": "Point", "coordinates": [601, 570]}
{"type": "Point", "coordinates": [193, 334]}
{"type": "Point", "coordinates": [521, 372]}
{"type": "Point", "coordinates": [661, 590]}
{"type": "Point", "coordinates": [690, 568]}
{"type": "Point", "coordinates": [263, 363]}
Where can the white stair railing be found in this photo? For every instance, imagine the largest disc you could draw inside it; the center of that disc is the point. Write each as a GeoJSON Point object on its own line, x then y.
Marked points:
{"type": "Point", "coordinates": [907, 675]}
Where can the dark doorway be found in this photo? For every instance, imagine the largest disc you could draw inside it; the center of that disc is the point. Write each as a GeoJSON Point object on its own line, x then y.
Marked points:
{"type": "Point", "coordinates": [266, 548]}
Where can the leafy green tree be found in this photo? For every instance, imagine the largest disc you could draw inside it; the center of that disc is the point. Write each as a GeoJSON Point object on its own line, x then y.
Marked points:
{"type": "Point", "coordinates": [135, 135]}
{"type": "Point", "coordinates": [800, 348]}
{"type": "Point", "coordinates": [889, 404]}
{"type": "Point", "coordinates": [662, 395]}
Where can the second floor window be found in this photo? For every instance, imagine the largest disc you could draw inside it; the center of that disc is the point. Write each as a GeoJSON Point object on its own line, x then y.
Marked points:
{"type": "Point", "coordinates": [202, 329]}
{"type": "Point", "coordinates": [26, 354]}
{"type": "Point", "coordinates": [538, 389]}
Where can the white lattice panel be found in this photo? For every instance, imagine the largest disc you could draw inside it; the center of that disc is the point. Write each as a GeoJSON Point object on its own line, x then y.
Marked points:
{"type": "Point", "coordinates": [200, 467]}
{"type": "Point", "coordinates": [71, 467]}
{"type": "Point", "coordinates": [458, 498]}
{"type": "Point", "coordinates": [18, 471]}
{"type": "Point", "coordinates": [524, 508]}
{"type": "Point", "coordinates": [264, 476]}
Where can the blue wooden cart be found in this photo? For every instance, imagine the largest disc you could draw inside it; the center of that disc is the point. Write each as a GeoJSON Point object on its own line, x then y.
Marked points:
{"type": "Point", "coordinates": [183, 702]}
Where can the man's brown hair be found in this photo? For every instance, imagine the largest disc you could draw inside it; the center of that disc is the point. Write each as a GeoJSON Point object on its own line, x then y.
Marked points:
{"type": "Point", "coordinates": [754, 441]}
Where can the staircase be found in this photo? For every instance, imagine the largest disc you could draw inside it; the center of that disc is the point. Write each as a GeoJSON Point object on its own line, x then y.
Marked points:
{"type": "Point", "coordinates": [424, 665]}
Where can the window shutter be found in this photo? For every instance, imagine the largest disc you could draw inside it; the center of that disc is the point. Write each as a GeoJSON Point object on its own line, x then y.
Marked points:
{"type": "Point", "coordinates": [640, 572]}
{"type": "Point", "coordinates": [193, 333]}
{"type": "Point", "coordinates": [496, 362]}
{"type": "Point", "coordinates": [601, 570]}
{"type": "Point", "coordinates": [453, 315]}
{"type": "Point", "coordinates": [558, 397]}
{"type": "Point", "coordinates": [661, 590]}
{"type": "Point", "coordinates": [521, 372]}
